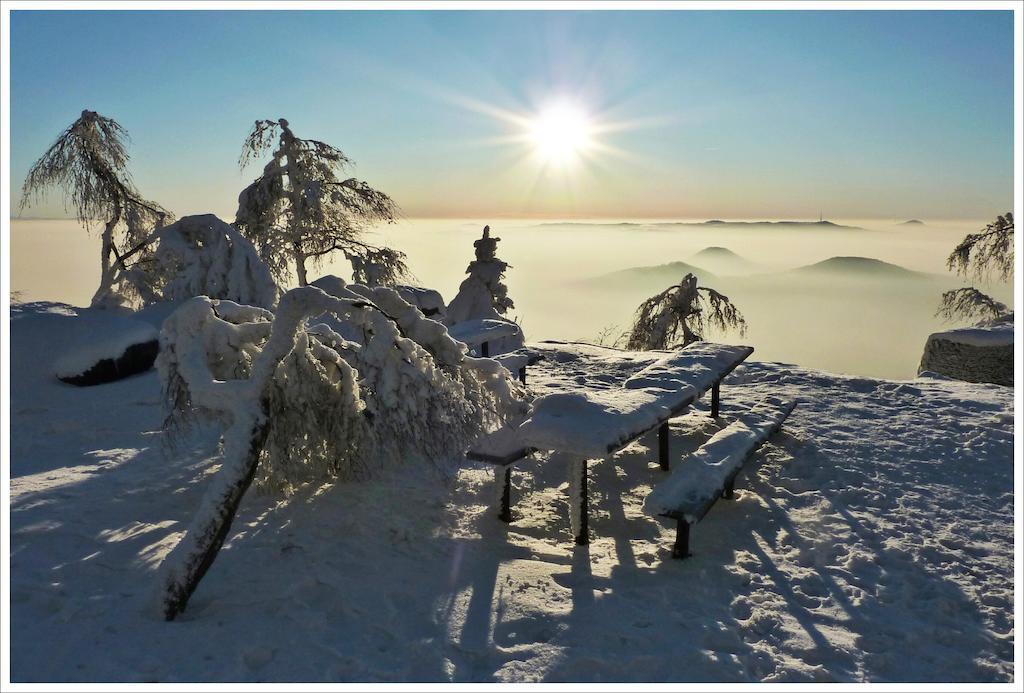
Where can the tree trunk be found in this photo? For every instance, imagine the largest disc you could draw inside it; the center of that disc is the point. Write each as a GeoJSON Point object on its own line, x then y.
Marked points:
{"type": "Point", "coordinates": [106, 266]}
{"type": "Point", "coordinates": [300, 266]}
{"type": "Point", "coordinates": [199, 547]}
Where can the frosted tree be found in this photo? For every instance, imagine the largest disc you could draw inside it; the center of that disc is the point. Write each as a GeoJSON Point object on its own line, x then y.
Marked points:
{"type": "Point", "coordinates": [681, 315]}
{"type": "Point", "coordinates": [482, 294]}
{"type": "Point", "coordinates": [300, 210]}
{"type": "Point", "coordinates": [89, 163]}
{"type": "Point", "coordinates": [983, 256]}
{"type": "Point", "coordinates": [299, 402]}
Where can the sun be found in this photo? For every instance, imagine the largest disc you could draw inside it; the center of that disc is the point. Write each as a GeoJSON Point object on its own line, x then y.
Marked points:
{"type": "Point", "coordinates": [560, 133]}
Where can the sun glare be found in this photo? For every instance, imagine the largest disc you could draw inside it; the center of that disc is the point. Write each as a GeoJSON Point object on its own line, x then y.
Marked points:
{"type": "Point", "coordinates": [560, 133]}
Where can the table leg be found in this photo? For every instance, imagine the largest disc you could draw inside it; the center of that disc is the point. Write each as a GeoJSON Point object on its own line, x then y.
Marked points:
{"type": "Point", "coordinates": [681, 549]}
{"type": "Point", "coordinates": [506, 497]}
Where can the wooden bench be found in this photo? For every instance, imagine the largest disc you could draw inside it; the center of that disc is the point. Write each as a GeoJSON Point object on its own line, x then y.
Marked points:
{"type": "Point", "coordinates": [708, 474]}
{"type": "Point", "coordinates": [517, 361]}
{"type": "Point", "coordinates": [592, 424]}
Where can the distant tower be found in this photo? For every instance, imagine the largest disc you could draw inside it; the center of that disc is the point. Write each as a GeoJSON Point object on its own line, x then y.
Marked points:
{"type": "Point", "coordinates": [820, 216]}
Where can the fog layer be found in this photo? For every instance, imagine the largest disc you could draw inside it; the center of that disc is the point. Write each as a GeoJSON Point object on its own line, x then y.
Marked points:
{"type": "Point", "coordinates": [582, 280]}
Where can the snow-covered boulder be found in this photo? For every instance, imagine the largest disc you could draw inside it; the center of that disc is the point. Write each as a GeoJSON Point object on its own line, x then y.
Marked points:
{"type": "Point", "coordinates": [981, 354]}
{"type": "Point", "coordinates": [101, 347]}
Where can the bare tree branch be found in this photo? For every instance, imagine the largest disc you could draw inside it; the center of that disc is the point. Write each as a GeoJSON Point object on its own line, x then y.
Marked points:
{"type": "Point", "coordinates": [986, 254]}
{"type": "Point", "coordinates": [968, 303]}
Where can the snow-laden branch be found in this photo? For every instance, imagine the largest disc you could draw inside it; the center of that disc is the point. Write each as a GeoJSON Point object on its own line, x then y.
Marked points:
{"type": "Point", "coordinates": [301, 402]}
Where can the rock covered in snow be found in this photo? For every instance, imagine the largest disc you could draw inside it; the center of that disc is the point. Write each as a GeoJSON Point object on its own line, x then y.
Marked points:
{"type": "Point", "coordinates": [981, 354]}
{"type": "Point", "coordinates": [101, 347]}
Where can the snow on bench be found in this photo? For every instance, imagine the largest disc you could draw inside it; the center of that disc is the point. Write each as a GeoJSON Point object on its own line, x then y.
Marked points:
{"type": "Point", "coordinates": [517, 361]}
{"type": "Point", "coordinates": [710, 473]}
{"type": "Point", "coordinates": [482, 332]}
{"type": "Point", "coordinates": [594, 424]}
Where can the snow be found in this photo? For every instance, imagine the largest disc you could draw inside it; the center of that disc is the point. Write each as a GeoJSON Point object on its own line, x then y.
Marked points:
{"type": "Point", "coordinates": [697, 479]}
{"type": "Point", "coordinates": [871, 540]}
{"type": "Point", "coordinates": [998, 335]}
{"type": "Point", "coordinates": [429, 301]}
{"type": "Point", "coordinates": [94, 335]}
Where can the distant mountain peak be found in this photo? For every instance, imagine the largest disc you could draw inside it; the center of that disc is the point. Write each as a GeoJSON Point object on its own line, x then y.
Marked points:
{"type": "Point", "coordinates": [715, 250]}
{"type": "Point", "coordinates": [853, 264]}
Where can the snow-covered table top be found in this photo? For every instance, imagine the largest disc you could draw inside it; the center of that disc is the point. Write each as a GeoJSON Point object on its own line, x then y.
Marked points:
{"type": "Point", "coordinates": [518, 359]}
{"type": "Point", "coordinates": [474, 332]}
{"type": "Point", "coordinates": [593, 423]}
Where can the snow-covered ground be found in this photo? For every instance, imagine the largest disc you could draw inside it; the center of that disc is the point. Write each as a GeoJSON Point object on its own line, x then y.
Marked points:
{"type": "Point", "coordinates": [871, 540]}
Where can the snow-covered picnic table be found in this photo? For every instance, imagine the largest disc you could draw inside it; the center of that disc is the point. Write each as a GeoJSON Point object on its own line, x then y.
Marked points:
{"type": "Point", "coordinates": [481, 333]}
{"type": "Point", "coordinates": [583, 423]}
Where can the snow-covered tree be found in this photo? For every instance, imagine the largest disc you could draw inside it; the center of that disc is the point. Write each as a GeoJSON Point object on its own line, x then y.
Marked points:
{"type": "Point", "coordinates": [482, 294]}
{"type": "Point", "coordinates": [89, 163]}
{"type": "Point", "coordinates": [201, 255]}
{"type": "Point", "coordinates": [300, 210]}
{"type": "Point", "coordinates": [681, 315]}
{"type": "Point", "coordinates": [300, 402]}
{"type": "Point", "coordinates": [984, 256]}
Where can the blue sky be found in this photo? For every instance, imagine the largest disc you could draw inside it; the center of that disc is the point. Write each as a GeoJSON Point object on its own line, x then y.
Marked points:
{"type": "Point", "coordinates": [723, 114]}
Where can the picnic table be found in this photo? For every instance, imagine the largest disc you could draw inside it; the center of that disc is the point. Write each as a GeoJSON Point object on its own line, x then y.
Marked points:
{"type": "Point", "coordinates": [582, 424]}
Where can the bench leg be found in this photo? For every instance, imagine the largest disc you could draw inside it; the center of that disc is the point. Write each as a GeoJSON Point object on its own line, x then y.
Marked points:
{"type": "Point", "coordinates": [715, 396]}
{"type": "Point", "coordinates": [663, 446]}
{"type": "Point", "coordinates": [506, 497]}
{"type": "Point", "coordinates": [522, 375]}
{"type": "Point", "coordinates": [728, 491]}
{"type": "Point", "coordinates": [582, 529]}
{"type": "Point", "coordinates": [485, 349]}
{"type": "Point", "coordinates": [681, 549]}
